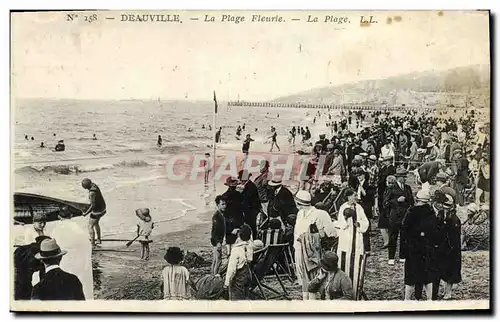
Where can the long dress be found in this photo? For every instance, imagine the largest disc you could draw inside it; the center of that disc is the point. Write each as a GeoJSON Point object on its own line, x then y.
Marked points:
{"type": "Point", "coordinates": [306, 267]}
{"type": "Point", "coordinates": [350, 248]}
{"type": "Point", "coordinates": [72, 237]}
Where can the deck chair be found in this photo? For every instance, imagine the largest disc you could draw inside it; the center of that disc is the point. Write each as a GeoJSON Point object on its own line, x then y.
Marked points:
{"type": "Point", "coordinates": [362, 269]}
{"type": "Point", "coordinates": [286, 261]}
{"type": "Point", "coordinates": [265, 261]}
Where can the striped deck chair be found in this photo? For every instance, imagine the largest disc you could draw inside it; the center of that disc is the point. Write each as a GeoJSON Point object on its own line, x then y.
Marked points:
{"type": "Point", "coordinates": [286, 261]}
{"type": "Point", "coordinates": [357, 277]}
{"type": "Point", "coordinates": [264, 263]}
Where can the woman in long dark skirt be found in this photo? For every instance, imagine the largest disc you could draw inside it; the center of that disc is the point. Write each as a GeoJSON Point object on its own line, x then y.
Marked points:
{"type": "Point", "coordinates": [449, 250]}
{"type": "Point", "coordinates": [418, 236]}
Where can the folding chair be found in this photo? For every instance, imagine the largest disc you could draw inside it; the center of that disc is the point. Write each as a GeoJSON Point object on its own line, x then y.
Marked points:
{"type": "Point", "coordinates": [275, 237]}
{"type": "Point", "coordinates": [265, 261]}
{"type": "Point", "coordinates": [361, 280]}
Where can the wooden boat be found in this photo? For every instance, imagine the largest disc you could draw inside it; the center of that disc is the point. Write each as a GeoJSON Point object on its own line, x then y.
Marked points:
{"type": "Point", "coordinates": [27, 204]}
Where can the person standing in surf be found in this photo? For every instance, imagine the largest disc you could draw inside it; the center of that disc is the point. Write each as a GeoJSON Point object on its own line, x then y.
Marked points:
{"type": "Point", "coordinates": [274, 142]}
{"type": "Point", "coordinates": [96, 210]}
{"type": "Point", "coordinates": [246, 148]}
{"type": "Point", "coordinates": [350, 225]}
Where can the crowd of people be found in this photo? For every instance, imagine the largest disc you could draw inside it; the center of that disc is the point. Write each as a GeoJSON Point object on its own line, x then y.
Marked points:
{"type": "Point", "coordinates": [355, 179]}
{"type": "Point", "coordinates": [446, 158]}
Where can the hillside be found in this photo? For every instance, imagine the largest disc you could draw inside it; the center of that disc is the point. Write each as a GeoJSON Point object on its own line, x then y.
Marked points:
{"type": "Point", "coordinates": [415, 88]}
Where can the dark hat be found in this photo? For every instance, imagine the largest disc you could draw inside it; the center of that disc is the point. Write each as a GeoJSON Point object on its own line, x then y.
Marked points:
{"type": "Point", "coordinates": [274, 223]}
{"type": "Point", "coordinates": [329, 261]}
{"type": "Point", "coordinates": [449, 191]}
{"type": "Point", "coordinates": [349, 212]}
{"type": "Point", "coordinates": [400, 172]}
{"type": "Point", "coordinates": [231, 182]}
{"type": "Point", "coordinates": [49, 249]}
{"type": "Point", "coordinates": [441, 176]}
{"type": "Point", "coordinates": [322, 136]}
{"type": "Point", "coordinates": [348, 192]}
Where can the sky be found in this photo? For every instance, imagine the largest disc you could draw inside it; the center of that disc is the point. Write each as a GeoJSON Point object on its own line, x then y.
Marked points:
{"type": "Point", "coordinates": [109, 59]}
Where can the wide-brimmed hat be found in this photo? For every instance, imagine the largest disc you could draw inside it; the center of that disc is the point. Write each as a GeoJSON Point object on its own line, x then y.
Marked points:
{"type": "Point", "coordinates": [423, 195]}
{"type": "Point", "coordinates": [472, 208]}
{"type": "Point", "coordinates": [363, 154]}
{"type": "Point", "coordinates": [329, 261]}
{"type": "Point", "coordinates": [372, 158]}
{"type": "Point", "coordinates": [329, 146]}
{"type": "Point", "coordinates": [231, 182]}
{"type": "Point", "coordinates": [50, 249]}
{"type": "Point", "coordinates": [400, 172]}
{"type": "Point", "coordinates": [430, 144]}
{"type": "Point", "coordinates": [276, 181]}
{"type": "Point", "coordinates": [143, 214]}
{"type": "Point", "coordinates": [303, 198]}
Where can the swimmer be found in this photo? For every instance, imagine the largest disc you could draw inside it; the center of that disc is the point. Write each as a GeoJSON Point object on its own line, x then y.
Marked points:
{"type": "Point", "coordinates": [32, 139]}
{"type": "Point", "coordinates": [26, 137]}
{"type": "Point", "coordinates": [42, 145]}
{"type": "Point", "coordinates": [160, 141]}
{"type": "Point", "coordinates": [60, 146]}
{"type": "Point", "coordinates": [94, 137]}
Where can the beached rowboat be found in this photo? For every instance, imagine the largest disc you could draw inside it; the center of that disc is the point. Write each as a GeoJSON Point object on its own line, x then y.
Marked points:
{"type": "Point", "coordinates": [26, 205]}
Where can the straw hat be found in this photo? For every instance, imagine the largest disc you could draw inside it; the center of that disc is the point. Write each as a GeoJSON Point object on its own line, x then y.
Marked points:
{"type": "Point", "coordinates": [303, 198]}
{"type": "Point", "coordinates": [430, 144]}
{"type": "Point", "coordinates": [50, 249]}
{"type": "Point", "coordinates": [423, 195]}
{"type": "Point", "coordinates": [372, 158]}
{"type": "Point", "coordinates": [473, 208]}
{"type": "Point", "coordinates": [400, 172]}
{"type": "Point", "coordinates": [143, 214]}
{"type": "Point", "coordinates": [276, 181]}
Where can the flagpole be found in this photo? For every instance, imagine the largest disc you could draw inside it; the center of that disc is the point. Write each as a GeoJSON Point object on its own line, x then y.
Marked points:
{"type": "Point", "coordinates": [214, 138]}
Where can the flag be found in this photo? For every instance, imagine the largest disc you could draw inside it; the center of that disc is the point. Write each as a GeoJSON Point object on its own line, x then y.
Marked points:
{"type": "Point", "coordinates": [215, 101]}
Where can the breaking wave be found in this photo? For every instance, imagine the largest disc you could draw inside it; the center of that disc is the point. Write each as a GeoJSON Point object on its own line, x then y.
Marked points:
{"type": "Point", "coordinates": [74, 169]}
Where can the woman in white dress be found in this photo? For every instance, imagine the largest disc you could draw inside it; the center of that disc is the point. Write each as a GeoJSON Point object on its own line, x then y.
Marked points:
{"type": "Point", "coordinates": [351, 224]}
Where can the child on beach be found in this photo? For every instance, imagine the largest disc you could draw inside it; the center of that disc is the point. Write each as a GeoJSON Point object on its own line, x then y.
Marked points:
{"type": "Point", "coordinates": [205, 163]}
{"type": "Point", "coordinates": [144, 229]}
{"type": "Point", "coordinates": [218, 233]}
{"type": "Point", "coordinates": [238, 269]}
{"type": "Point", "coordinates": [176, 281]}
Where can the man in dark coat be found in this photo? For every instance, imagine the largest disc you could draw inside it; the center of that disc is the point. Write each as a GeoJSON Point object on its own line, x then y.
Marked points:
{"type": "Point", "coordinates": [448, 251]}
{"type": "Point", "coordinates": [366, 196]}
{"type": "Point", "coordinates": [250, 201]}
{"type": "Point", "coordinates": [460, 168]}
{"type": "Point", "coordinates": [386, 169]}
{"type": "Point", "coordinates": [282, 203]}
{"type": "Point", "coordinates": [25, 265]}
{"type": "Point", "coordinates": [417, 247]}
{"type": "Point", "coordinates": [427, 171]}
{"type": "Point", "coordinates": [56, 284]}
{"type": "Point", "coordinates": [234, 210]}
{"type": "Point", "coordinates": [398, 199]}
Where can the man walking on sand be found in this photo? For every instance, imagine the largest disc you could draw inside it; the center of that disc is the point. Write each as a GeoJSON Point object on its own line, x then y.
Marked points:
{"type": "Point", "coordinates": [96, 210]}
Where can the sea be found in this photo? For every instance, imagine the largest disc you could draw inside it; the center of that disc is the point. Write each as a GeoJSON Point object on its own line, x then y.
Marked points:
{"type": "Point", "coordinates": [125, 160]}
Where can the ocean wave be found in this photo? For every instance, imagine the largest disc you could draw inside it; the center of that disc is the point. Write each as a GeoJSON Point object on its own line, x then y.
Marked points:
{"type": "Point", "coordinates": [67, 169]}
